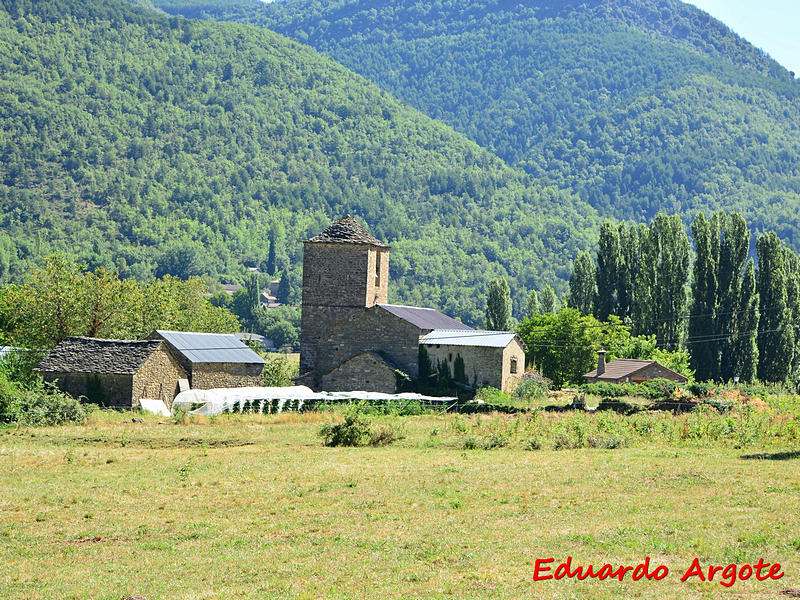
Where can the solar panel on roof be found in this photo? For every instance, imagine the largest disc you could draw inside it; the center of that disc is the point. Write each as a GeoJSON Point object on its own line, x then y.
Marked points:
{"type": "Point", "coordinates": [210, 347]}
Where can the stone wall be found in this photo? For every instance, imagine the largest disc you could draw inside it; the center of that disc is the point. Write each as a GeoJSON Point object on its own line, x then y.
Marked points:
{"type": "Point", "coordinates": [158, 377]}
{"type": "Point", "coordinates": [206, 376]}
{"type": "Point", "coordinates": [482, 365]}
{"type": "Point", "coordinates": [656, 371]}
{"type": "Point", "coordinates": [338, 279]}
{"type": "Point", "coordinates": [372, 330]}
{"type": "Point", "coordinates": [364, 372]}
{"type": "Point", "coordinates": [110, 390]}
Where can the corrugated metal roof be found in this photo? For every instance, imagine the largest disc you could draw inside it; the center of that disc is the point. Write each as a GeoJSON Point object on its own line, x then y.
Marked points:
{"type": "Point", "coordinates": [210, 347]}
{"type": "Point", "coordinates": [486, 339]}
{"type": "Point", "coordinates": [425, 318]}
{"type": "Point", "coordinates": [621, 367]}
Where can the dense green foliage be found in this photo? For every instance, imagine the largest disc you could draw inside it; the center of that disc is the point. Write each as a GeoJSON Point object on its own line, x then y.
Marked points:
{"type": "Point", "coordinates": [636, 105]}
{"type": "Point", "coordinates": [498, 306]}
{"type": "Point", "coordinates": [62, 299]}
{"type": "Point", "coordinates": [739, 324]}
{"type": "Point", "coordinates": [564, 346]}
{"type": "Point", "coordinates": [154, 145]}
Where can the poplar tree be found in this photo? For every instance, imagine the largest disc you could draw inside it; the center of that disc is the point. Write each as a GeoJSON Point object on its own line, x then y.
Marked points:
{"type": "Point", "coordinates": [660, 290]}
{"type": "Point", "coordinates": [532, 306]}
{"type": "Point", "coordinates": [549, 301]}
{"type": "Point", "coordinates": [582, 286]}
{"type": "Point", "coordinates": [776, 338]}
{"type": "Point", "coordinates": [734, 245]}
{"type": "Point", "coordinates": [609, 263]}
{"type": "Point", "coordinates": [629, 268]}
{"type": "Point", "coordinates": [498, 306]}
{"type": "Point", "coordinates": [745, 346]}
{"type": "Point", "coordinates": [704, 360]}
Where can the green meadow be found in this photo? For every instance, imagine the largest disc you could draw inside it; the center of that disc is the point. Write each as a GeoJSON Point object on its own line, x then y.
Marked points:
{"type": "Point", "coordinates": [255, 506]}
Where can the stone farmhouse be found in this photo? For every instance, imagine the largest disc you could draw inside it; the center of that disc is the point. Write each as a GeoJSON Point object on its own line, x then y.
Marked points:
{"type": "Point", "coordinates": [628, 370]}
{"type": "Point", "coordinates": [214, 360]}
{"type": "Point", "coordinates": [352, 339]}
{"type": "Point", "coordinates": [120, 373]}
{"type": "Point", "coordinates": [114, 373]}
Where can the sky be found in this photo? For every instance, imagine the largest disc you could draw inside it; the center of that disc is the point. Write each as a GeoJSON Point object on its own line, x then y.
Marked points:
{"type": "Point", "coordinates": [771, 25]}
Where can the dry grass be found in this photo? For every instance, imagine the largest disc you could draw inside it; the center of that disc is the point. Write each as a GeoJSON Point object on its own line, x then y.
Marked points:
{"type": "Point", "coordinates": [256, 507]}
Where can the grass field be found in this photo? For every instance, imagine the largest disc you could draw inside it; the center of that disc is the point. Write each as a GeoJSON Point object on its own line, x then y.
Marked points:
{"type": "Point", "coordinates": [256, 507]}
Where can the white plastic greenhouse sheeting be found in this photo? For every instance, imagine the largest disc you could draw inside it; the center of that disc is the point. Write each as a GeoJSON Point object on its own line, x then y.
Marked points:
{"type": "Point", "coordinates": [217, 401]}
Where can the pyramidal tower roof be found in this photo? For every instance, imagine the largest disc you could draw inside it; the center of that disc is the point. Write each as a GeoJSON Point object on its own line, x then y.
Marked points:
{"type": "Point", "coordinates": [346, 231]}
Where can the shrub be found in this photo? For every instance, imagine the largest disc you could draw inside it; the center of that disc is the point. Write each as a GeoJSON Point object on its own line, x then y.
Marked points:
{"type": "Point", "coordinates": [532, 385]}
{"type": "Point", "coordinates": [278, 371]}
{"type": "Point", "coordinates": [385, 435]}
{"type": "Point", "coordinates": [610, 390]}
{"type": "Point", "coordinates": [353, 432]}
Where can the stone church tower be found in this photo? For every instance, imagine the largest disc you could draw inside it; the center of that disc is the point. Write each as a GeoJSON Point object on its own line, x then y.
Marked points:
{"type": "Point", "coordinates": [345, 270]}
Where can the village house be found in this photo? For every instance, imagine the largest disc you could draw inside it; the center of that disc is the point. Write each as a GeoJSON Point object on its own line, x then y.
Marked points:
{"type": "Point", "coordinates": [353, 339]}
{"type": "Point", "coordinates": [114, 373]}
{"type": "Point", "coordinates": [628, 370]}
{"type": "Point", "coordinates": [214, 360]}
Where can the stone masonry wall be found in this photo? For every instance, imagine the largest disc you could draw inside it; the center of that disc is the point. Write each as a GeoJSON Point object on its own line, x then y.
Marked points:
{"type": "Point", "coordinates": [376, 330]}
{"type": "Point", "coordinates": [226, 375]}
{"type": "Point", "coordinates": [655, 372]}
{"type": "Point", "coordinates": [338, 279]}
{"type": "Point", "coordinates": [110, 390]}
{"type": "Point", "coordinates": [482, 365]}
{"type": "Point", "coordinates": [158, 377]}
{"type": "Point", "coordinates": [365, 372]}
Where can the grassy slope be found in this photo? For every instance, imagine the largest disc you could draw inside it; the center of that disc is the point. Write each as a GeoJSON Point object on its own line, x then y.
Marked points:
{"type": "Point", "coordinates": [637, 105]}
{"type": "Point", "coordinates": [255, 507]}
{"type": "Point", "coordinates": [129, 134]}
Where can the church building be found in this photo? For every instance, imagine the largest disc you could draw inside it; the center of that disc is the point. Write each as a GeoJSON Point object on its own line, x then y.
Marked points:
{"type": "Point", "coordinates": [352, 339]}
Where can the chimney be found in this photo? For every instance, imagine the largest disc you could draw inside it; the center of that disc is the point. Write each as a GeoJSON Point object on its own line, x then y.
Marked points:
{"type": "Point", "coordinates": [601, 362]}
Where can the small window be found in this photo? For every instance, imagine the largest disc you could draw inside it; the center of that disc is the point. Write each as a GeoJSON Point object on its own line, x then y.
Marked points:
{"type": "Point", "coordinates": [513, 364]}
{"type": "Point", "coordinates": [450, 357]}
{"type": "Point", "coordinates": [377, 270]}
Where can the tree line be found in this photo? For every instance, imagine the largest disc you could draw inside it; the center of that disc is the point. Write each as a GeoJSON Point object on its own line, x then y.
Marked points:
{"type": "Point", "coordinates": [736, 315]}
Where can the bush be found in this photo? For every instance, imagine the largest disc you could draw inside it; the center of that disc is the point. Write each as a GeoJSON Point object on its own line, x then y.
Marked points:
{"type": "Point", "coordinates": [532, 385]}
{"type": "Point", "coordinates": [353, 432]}
{"type": "Point", "coordinates": [278, 371]}
{"type": "Point", "coordinates": [611, 390]}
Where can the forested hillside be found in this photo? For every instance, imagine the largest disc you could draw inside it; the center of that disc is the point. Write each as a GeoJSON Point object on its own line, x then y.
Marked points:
{"type": "Point", "coordinates": [636, 105]}
{"type": "Point", "coordinates": [157, 145]}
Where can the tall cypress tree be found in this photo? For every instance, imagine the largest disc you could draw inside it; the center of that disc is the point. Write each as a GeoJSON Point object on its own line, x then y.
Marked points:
{"type": "Point", "coordinates": [704, 359]}
{"type": "Point", "coordinates": [629, 268]}
{"type": "Point", "coordinates": [776, 338]}
{"type": "Point", "coordinates": [609, 263]}
{"type": "Point", "coordinates": [582, 286]}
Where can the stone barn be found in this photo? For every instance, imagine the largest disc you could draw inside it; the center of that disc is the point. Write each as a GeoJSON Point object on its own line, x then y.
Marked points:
{"type": "Point", "coordinates": [114, 373]}
{"type": "Point", "coordinates": [493, 358]}
{"type": "Point", "coordinates": [214, 360]}
{"type": "Point", "coordinates": [628, 370]}
{"type": "Point", "coordinates": [352, 339]}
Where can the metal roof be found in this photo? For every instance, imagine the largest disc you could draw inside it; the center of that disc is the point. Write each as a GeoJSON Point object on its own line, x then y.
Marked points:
{"type": "Point", "coordinates": [486, 339]}
{"type": "Point", "coordinates": [210, 347]}
{"type": "Point", "coordinates": [425, 318]}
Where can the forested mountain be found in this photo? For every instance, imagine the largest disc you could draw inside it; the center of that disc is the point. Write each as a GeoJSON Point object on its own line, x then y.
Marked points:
{"type": "Point", "coordinates": [636, 105]}
{"type": "Point", "coordinates": [155, 144]}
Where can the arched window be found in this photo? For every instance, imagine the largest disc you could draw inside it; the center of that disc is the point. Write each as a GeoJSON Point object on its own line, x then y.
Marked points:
{"type": "Point", "coordinates": [513, 364]}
